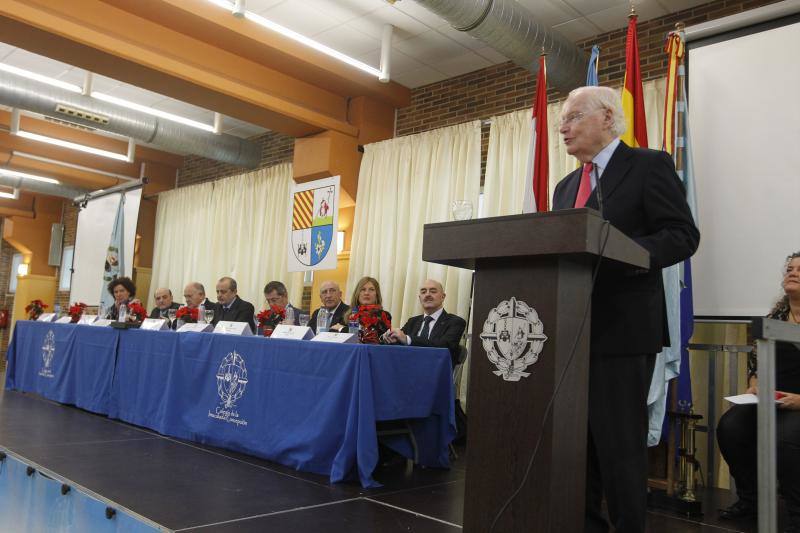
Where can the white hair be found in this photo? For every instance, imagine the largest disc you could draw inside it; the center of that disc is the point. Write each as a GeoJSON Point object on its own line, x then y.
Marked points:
{"type": "Point", "coordinates": [605, 98]}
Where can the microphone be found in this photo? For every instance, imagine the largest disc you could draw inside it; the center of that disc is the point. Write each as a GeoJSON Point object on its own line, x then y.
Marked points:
{"type": "Point", "coordinates": [599, 190]}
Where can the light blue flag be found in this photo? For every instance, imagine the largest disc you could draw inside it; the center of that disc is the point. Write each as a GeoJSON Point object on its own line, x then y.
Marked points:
{"type": "Point", "coordinates": [591, 74]}
{"type": "Point", "coordinates": [115, 256]}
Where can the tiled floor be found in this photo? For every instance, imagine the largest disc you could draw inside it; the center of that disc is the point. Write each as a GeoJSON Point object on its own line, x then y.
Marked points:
{"type": "Point", "coordinates": [187, 487]}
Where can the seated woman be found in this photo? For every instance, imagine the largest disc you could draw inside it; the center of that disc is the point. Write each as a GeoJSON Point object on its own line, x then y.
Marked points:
{"type": "Point", "coordinates": [736, 432]}
{"type": "Point", "coordinates": [123, 290]}
{"type": "Point", "coordinates": [368, 293]}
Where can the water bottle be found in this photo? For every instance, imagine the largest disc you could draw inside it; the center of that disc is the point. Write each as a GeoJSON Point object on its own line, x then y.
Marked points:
{"type": "Point", "coordinates": [353, 326]}
{"type": "Point", "coordinates": [323, 321]}
{"type": "Point", "coordinates": [289, 318]}
{"type": "Point", "coordinates": [123, 313]}
{"type": "Point", "coordinates": [57, 310]}
{"type": "Point", "coordinates": [201, 314]}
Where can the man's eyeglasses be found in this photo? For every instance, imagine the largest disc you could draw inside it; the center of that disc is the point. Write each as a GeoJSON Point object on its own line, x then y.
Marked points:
{"type": "Point", "coordinates": [569, 119]}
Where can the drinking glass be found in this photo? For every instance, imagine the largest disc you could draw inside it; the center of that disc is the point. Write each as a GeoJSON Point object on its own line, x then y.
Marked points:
{"type": "Point", "coordinates": [171, 315]}
{"type": "Point", "coordinates": [304, 319]}
{"type": "Point", "coordinates": [209, 313]}
{"type": "Point", "coordinates": [461, 209]}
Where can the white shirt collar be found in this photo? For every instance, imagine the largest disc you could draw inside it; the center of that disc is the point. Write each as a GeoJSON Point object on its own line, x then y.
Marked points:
{"type": "Point", "coordinates": [435, 315]}
{"type": "Point", "coordinates": [603, 156]}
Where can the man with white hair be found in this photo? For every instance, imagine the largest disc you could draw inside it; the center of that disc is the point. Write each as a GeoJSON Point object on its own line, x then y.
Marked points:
{"type": "Point", "coordinates": [639, 193]}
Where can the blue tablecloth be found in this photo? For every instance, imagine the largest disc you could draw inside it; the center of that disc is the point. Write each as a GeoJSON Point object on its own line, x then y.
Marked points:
{"type": "Point", "coordinates": [312, 406]}
{"type": "Point", "coordinates": [309, 405]}
{"type": "Point", "coordinates": [66, 363]}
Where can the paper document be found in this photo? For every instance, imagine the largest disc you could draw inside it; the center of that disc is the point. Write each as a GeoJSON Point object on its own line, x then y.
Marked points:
{"type": "Point", "coordinates": [749, 399]}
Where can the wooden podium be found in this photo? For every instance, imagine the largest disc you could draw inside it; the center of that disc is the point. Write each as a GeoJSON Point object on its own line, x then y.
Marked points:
{"type": "Point", "coordinates": [544, 261]}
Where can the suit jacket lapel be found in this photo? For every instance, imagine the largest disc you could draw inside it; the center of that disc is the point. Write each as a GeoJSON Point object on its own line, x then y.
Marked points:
{"type": "Point", "coordinates": [439, 323]}
{"type": "Point", "coordinates": [571, 183]}
{"type": "Point", "coordinates": [614, 174]}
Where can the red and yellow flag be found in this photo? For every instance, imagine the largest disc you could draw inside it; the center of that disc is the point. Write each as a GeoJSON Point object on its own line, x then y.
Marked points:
{"type": "Point", "coordinates": [632, 97]}
{"type": "Point", "coordinates": [675, 49]}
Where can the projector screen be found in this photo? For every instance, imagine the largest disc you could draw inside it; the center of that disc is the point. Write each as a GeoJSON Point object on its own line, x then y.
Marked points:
{"type": "Point", "coordinates": [744, 115]}
{"type": "Point", "coordinates": [95, 223]}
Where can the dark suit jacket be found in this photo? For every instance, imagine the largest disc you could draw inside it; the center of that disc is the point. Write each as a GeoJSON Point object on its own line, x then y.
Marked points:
{"type": "Point", "coordinates": [446, 333]}
{"type": "Point", "coordinates": [643, 198]}
{"type": "Point", "coordinates": [156, 312]}
{"type": "Point", "coordinates": [239, 311]}
{"type": "Point", "coordinates": [340, 316]}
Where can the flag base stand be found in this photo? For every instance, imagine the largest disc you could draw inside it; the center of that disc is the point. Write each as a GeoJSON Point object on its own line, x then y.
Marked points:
{"type": "Point", "coordinates": [659, 499]}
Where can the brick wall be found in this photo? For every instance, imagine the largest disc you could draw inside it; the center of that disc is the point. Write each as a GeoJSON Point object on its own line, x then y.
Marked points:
{"type": "Point", "coordinates": [275, 148]}
{"type": "Point", "coordinates": [504, 88]}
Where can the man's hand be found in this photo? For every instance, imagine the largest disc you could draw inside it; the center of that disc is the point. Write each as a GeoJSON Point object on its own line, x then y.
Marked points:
{"type": "Point", "coordinates": [395, 336]}
{"type": "Point", "coordinates": [789, 401]}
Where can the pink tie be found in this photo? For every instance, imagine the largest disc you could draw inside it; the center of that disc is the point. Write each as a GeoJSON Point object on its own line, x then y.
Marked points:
{"type": "Point", "coordinates": [585, 188]}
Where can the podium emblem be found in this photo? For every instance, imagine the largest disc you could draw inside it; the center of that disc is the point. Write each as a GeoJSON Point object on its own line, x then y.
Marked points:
{"type": "Point", "coordinates": [231, 384]}
{"type": "Point", "coordinates": [513, 337]}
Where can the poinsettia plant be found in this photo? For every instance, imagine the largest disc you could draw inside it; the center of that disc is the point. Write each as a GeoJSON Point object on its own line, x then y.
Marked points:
{"type": "Point", "coordinates": [268, 319]}
{"type": "Point", "coordinates": [76, 310]}
{"type": "Point", "coordinates": [136, 313]}
{"type": "Point", "coordinates": [35, 309]}
{"type": "Point", "coordinates": [189, 315]}
{"type": "Point", "coordinates": [374, 322]}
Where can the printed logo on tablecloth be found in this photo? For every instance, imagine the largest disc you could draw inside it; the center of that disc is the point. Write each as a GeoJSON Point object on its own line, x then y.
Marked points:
{"type": "Point", "coordinates": [48, 351]}
{"type": "Point", "coordinates": [513, 338]}
{"type": "Point", "coordinates": [231, 384]}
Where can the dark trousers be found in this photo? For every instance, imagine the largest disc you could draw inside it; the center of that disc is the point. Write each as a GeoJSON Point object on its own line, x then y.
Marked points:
{"type": "Point", "coordinates": [736, 435]}
{"type": "Point", "coordinates": [616, 465]}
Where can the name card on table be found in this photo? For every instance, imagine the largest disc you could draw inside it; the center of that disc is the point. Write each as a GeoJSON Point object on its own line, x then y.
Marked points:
{"type": "Point", "coordinates": [286, 331]}
{"type": "Point", "coordinates": [101, 322]}
{"type": "Point", "coordinates": [233, 328]}
{"type": "Point", "coordinates": [46, 317]}
{"type": "Point", "coordinates": [154, 324]}
{"type": "Point", "coordinates": [64, 320]}
{"type": "Point", "coordinates": [196, 328]}
{"type": "Point", "coordinates": [87, 319]}
{"type": "Point", "coordinates": [332, 336]}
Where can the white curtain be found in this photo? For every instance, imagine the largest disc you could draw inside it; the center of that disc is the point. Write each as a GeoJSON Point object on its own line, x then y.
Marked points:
{"type": "Point", "coordinates": [236, 226]}
{"type": "Point", "coordinates": [509, 139]}
{"type": "Point", "coordinates": [403, 184]}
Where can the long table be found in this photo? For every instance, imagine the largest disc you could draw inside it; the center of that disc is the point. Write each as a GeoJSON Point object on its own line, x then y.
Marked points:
{"type": "Point", "coordinates": [312, 406]}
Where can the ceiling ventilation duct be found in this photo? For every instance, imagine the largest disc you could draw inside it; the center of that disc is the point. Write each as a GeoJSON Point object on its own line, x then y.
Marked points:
{"type": "Point", "coordinates": [50, 189]}
{"type": "Point", "coordinates": [514, 31]}
{"type": "Point", "coordinates": [30, 95]}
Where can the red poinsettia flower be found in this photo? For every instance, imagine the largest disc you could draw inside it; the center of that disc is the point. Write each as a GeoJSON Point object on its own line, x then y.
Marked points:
{"type": "Point", "coordinates": [374, 322]}
{"type": "Point", "coordinates": [136, 311]}
{"type": "Point", "coordinates": [35, 309]}
{"type": "Point", "coordinates": [270, 318]}
{"type": "Point", "coordinates": [187, 314]}
{"type": "Point", "coordinates": [76, 310]}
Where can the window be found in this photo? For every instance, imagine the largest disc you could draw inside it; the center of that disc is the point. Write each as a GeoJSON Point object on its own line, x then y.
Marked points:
{"type": "Point", "coordinates": [65, 277]}
{"type": "Point", "coordinates": [16, 261]}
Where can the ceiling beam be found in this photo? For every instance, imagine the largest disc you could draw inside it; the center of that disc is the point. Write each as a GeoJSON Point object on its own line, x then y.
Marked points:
{"type": "Point", "coordinates": [130, 46]}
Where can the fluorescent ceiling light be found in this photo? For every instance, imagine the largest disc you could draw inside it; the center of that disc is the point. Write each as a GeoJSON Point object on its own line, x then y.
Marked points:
{"type": "Point", "coordinates": [150, 111]}
{"type": "Point", "coordinates": [38, 77]}
{"type": "Point", "coordinates": [72, 145]}
{"type": "Point", "coordinates": [10, 195]}
{"type": "Point", "coordinates": [107, 98]}
{"type": "Point", "coordinates": [286, 32]}
{"type": "Point", "coordinates": [15, 153]}
{"type": "Point", "coordinates": [24, 175]}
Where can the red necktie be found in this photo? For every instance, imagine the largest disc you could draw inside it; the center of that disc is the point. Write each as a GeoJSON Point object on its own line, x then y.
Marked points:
{"type": "Point", "coordinates": [585, 188]}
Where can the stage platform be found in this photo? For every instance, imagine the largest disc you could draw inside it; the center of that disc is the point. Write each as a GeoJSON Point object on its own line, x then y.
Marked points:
{"type": "Point", "coordinates": [182, 486]}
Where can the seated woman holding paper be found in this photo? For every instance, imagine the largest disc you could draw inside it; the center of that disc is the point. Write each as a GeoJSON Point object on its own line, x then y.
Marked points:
{"type": "Point", "coordinates": [736, 432]}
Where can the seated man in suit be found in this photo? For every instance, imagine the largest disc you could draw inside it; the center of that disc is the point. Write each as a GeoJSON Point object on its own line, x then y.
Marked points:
{"type": "Point", "coordinates": [230, 307]}
{"type": "Point", "coordinates": [195, 294]}
{"type": "Point", "coordinates": [331, 296]}
{"type": "Point", "coordinates": [275, 293]}
{"type": "Point", "coordinates": [164, 303]}
{"type": "Point", "coordinates": [435, 328]}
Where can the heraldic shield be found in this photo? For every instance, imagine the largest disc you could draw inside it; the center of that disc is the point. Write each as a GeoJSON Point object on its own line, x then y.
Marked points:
{"type": "Point", "coordinates": [513, 338]}
{"type": "Point", "coordinates": [312, 224]}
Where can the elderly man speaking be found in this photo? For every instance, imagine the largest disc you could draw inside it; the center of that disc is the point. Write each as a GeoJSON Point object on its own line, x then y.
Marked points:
{"type": "Point", "coordinates": [639, 193]}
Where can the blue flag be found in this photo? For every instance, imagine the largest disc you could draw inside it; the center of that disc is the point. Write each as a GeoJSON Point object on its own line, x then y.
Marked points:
{"type": "Point", "coordinates": [115, 256]}
{"type": "Point", "coordinates": [591, 74]}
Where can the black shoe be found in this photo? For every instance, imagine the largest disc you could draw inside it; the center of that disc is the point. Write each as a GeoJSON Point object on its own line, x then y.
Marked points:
{"type": "Point", "coordinates": [739, 511]}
